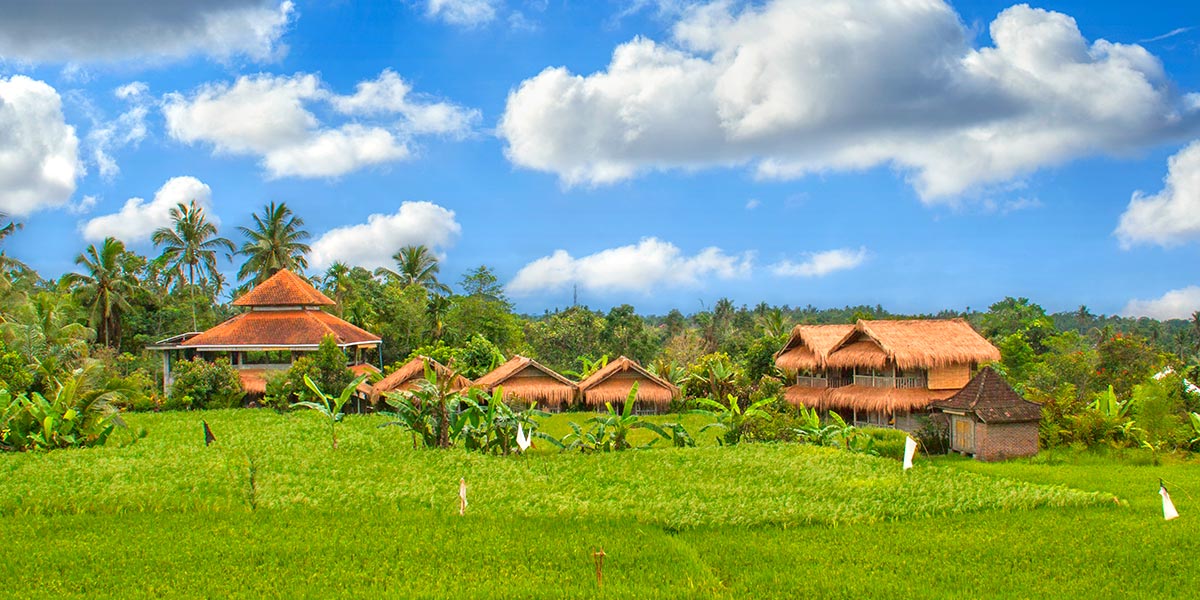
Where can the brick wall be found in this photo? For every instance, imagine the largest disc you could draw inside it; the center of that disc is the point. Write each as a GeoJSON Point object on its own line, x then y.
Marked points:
{"type": "Point", "coordinates": [999, 441]}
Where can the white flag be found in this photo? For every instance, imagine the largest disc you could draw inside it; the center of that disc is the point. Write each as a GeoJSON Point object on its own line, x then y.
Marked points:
{"type": "Point", "coordinates": [1169, 511]}
{"type": "Point", "coordinates": [523, 441]}
{"type": "Point", "coordinates": [462, 496]}
{"type": "Point", "coordinates": [910, 450]}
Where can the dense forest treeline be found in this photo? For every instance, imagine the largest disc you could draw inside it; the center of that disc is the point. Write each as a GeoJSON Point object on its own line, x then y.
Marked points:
{"type": "Point", "coordinates": [118, 301]}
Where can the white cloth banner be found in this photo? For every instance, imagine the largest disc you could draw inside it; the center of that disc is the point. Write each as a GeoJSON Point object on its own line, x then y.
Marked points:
{"type": "Point", "coordinates": [1169, 511]}
{"type": "Point", "coordinates": [523, 441]}
{"type": "Point", "coordinates": [910, 450]}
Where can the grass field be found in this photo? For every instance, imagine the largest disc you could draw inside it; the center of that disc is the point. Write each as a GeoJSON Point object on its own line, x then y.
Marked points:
{"type": "Point", "coordinates": [169, 517]}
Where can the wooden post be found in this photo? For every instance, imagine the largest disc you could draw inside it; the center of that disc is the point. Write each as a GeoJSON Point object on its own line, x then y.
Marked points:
{"type": "Point", "coordinates": [166, 370]}
{"type": "Point", "coordinates": [598, 558]}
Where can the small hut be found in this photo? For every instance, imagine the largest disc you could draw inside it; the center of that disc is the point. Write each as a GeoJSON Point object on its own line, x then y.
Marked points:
{"type": "Point", "coordinates": [526, 381]}
{"type": "Point", "coordinates": [614, 382]}
{"type": "Point", "coordinates": [406, 377]}
{"type": "Point", "coordinates": [989, 419]}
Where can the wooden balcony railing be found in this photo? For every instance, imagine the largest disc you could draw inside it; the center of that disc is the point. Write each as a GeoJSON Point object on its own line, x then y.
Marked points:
{"type": "Point", "coordinates": [812, 382]}
{"type": "Point", "coordinates": [890, 382]}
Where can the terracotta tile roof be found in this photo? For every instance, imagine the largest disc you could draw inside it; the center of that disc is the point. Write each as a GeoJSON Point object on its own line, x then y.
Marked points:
{"type": "Point", "coordinates": [284, 288]}
{"type": "Point", "coordinates": [809, 346]}
{"type": "Point", "coordinates": [527, 379]}
{"type": "Point", "coordinates": [281, 328]}
{"type": "Point", "coordinates": [613, 383]}
{"type": "Point", "coordinates": [990, 397]}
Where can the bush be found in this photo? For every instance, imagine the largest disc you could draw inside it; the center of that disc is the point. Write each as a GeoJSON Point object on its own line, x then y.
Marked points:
{"type": "Point", "coordinates": [933, 435]}
{"type": "Point", "coordinates": [75, 414]}
{"type": "Point", "coordinates": [1158, 412]}
{"type": "Point", "coordinates": [887, 443]}
{"type": "Point", "coordinates": [202, 384]}
{"type": "Point", "coordinates": [326, 367]}
{"type": "Point", "coordinates": [15, 374]}
{"type": "Point", "coordinates": [781, 427]}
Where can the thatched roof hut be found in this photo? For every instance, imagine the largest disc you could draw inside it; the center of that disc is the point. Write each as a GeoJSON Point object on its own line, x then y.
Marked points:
{"type": "Point", "coordinates": [912, 344]}
{"type": "Point", "coordinates": [809, 346]}
{"type": "Point", "coordinates": [526, 379]}
{"type": "Point", "coordinates": [406, 377]}
{"type": "Point", "coordinates": [613, 383]}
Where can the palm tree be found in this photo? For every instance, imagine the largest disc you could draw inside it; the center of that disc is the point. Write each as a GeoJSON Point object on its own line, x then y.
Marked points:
{"type": "Point", "coordinates": [191, 243]}
{"type": "Point", "coordinates": [105, 287]}
{"type": "Point", "coordinates": [276, 242]}
{"type": "Point", "coordinates": [417, 265]}
{"type": "Point", "coordinates": [337, 284]}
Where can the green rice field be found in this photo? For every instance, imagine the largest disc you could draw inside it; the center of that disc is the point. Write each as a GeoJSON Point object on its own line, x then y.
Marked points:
{"type": "Point", "coordinates": [169, 517]}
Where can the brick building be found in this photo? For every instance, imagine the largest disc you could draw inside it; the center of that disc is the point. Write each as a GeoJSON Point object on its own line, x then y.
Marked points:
{"type": "Point", "coordinates": [988, 419]}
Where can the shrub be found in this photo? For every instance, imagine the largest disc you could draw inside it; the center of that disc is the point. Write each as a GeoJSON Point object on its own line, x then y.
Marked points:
{"type": "Point", "coordinates": [887, 443]}
{"type": "Point", "coordinates": [1158, 413]}
{"type": "Point", "coordinates": [780, 426]}
{"type": "Point", "coordinates": [202, 384]}
{"type": "Point", "coordinates": [933, 435]}
{"type": "Point", "coordinates": [76, 414]}
{"type": "Point", "coordinates": [326, 367]}
{"type": "Point", "coordinates": [15, 374]}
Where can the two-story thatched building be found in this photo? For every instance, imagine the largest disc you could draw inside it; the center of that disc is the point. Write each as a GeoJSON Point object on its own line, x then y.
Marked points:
{"type": "Point", "coordinates": [884, 373]}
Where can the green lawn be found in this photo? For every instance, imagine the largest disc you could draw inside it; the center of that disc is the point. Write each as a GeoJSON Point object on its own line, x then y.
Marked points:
{"type": "Point", "coordinates": [169, 517]}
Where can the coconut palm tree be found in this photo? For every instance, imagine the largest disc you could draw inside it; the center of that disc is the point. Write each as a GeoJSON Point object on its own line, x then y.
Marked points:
{"type": "Point", "coordinates": [190, 244]}
{"type": "Point", "coordinates": [105, 287]}
{"type": "Point", "coordinates": [276, 242]}
{"type": "Point", "coordinates": [417, 265]}
{"type": "Point", "coordinates": [337, 284]}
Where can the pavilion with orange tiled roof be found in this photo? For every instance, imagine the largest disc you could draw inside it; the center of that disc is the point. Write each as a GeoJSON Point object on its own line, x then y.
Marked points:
{"type": "Point", "coordinates": [283, 314]}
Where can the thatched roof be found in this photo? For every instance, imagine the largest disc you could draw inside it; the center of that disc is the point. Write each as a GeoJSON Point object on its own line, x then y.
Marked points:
{"type": "Point", "coordinates": [297, 329]}
{"type": "Point", "coordinates": [803, 395]}
{"type": "Point", "coordinates": [913, 344]}
{"type": "Point", "coordinates": [879, 399]}
{"type": "Point", "coordinates": [613, 383]}
{"type": "Point", "coordinates": [858, 353]}
{"type": "Point", "coordinates": [527, 379]}
{"type": "Point", "coordinates": [406, 377]}
{"type": "Point", "coordinates": [809, 345]}
{"type": "Point", "coordinates": [284, 288]}
{"type": "Point", "coordinates": [990, 397]}
{"type": "Point", "coordinates": [365, 388]}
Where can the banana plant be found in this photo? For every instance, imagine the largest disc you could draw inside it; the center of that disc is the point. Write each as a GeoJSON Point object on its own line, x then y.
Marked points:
{"type": "Point", "coordinates": [732, 418]}
{"type": "Point", "coordinates": [812, 431]}
{"type": "Point", "coordinates": [1194, 419]}
{"type": "Point", "coordinates": [330, 406]}
{"type": "Point", "coordinates": [618, 424]}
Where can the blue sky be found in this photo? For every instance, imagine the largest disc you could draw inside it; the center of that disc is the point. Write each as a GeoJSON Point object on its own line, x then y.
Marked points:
{"type": "Point", "coordinates": [920, 156]}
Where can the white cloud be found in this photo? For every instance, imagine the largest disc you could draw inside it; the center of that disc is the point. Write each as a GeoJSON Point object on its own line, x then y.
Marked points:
{"type": "Point", "coordinates": [39, 152]}
{"type": "Point", "coordinates": [1172, 216]}
{"type": "Point", "coordinates": [798, 87]}
{"type": "Point", "coordinates": [131, 90]}
{"type": "Point", "coordinates": [116, 30]}
{"type": "Point", "coordinates": [820, 264]}
{"type": "Point", "coordinates": [464, 13]}
{"type": "Point", "coordinates": [753, 203]}
{"type": "Point", "coordinates": [389, 94]}
{"type": "Point", "coordinates": [138, 219]}
{"type": "Point", "coordinates": [648, 265]}
{"type": "Point", "coordinates": [84, 206]}
{"type": "Point", "coordinates": [128, 129]}
{"type": "Point", "coordinates": [373, 243]}
{"type": "Point", "coordinates": [1175, 304]}
{"type": "Point", "coordinates": [268, 116]}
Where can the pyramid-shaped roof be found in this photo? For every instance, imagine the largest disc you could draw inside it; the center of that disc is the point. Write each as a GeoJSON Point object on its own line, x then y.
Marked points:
{"type": "Point", "coordinates": [990, 397]}
{"type": "Point", "coordinates": [284, 288]}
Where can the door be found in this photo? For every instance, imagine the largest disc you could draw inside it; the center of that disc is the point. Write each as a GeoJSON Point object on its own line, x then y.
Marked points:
{"type": "Point", "coordinates": [962, 435]}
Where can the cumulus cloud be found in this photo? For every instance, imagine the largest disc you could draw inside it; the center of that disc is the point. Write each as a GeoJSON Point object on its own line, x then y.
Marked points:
{"type": "Point", "coordinates": [643, 267]}
{"type": "Point", "coordinates": [269, 116]}
{"type": "Point", "coordinates": [373, 243]}
{"type": "Point", "coordinates": [115, 30]}
{"type": "Point", "coordinates": [1175, 304]}
{"type": "Point", "coordinates": [39, 152]}
{"type": "Point", "coordinates": [820, 264]}
{"type": "Point", "coordinates": [464, 13]}
{"type": "Point", "coordinates": [1171, 216]}
{"type": "Point", "coordinates": [137, 219]}
{"type": "Point", "coordinates": [796, 87]}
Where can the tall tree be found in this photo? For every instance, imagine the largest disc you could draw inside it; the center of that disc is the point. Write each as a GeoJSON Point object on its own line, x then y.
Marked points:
{"type": "Point", "coordinates": [416, 264]}
{"type": "Point", "coordinates": [105, 287]}
{"type": "Point", "coordinates": [337, 284]}
{"type": "Point", "coordinates": [276, 242]}
{"type": "Point", "coordinates": [190, 244]}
